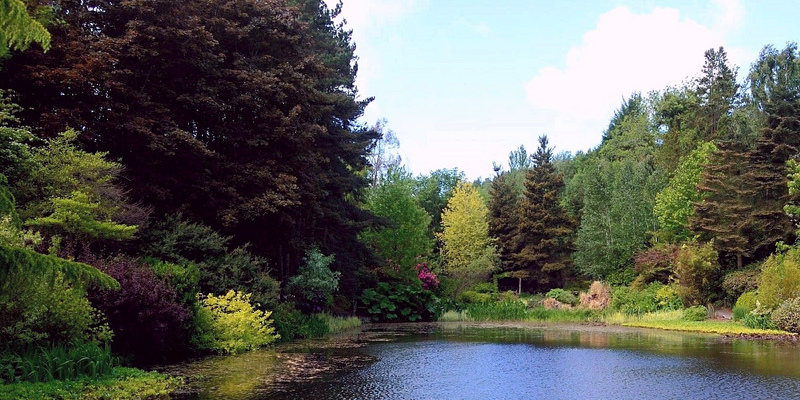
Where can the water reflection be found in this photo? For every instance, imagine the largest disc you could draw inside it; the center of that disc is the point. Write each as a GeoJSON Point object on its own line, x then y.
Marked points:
{"type": "Point", "coordinates": [468, 361]}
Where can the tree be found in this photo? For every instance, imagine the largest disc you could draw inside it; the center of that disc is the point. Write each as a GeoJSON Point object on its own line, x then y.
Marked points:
{"type": "Point", "coordinates": [544, 230]}
{"type": "Point", "coordinates": [382, 155]}
{"type": "Point", "coordinates": [402, 234]}
{"type": "Point", "coordinates": [504, 219]}
{"type": "Point", "coordinates": [434, 191]}
{"type": "Point", "coordinates": [718, 93]}
{"type": "Point", "coordinates": [18, 30]}
{"type": "Point", "coordinates": [675, 203]}
{"type": "Point", "coordinates": [239, 114]}
{"type": "Point", "coordinates": [467, 250]}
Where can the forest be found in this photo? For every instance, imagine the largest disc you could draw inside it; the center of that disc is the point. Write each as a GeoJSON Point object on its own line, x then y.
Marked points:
{"type": "Point", "coordinates": [173, 173]}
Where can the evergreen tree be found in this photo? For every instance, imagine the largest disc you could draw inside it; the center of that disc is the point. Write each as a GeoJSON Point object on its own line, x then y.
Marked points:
{"type": "Point", "coordinates": [545, 230]}
{"type": "Point", "coordinates": [717, 92]}
{"type": "Point", "coordinates": [504, 219]}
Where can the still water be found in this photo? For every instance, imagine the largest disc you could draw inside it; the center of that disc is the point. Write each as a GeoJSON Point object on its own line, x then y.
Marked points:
{"type": "Point", "coordinates": [504, 361]}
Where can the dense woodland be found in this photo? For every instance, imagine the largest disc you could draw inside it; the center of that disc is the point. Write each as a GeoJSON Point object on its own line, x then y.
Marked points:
{"type": "Point", "coordinates": [156, 154]}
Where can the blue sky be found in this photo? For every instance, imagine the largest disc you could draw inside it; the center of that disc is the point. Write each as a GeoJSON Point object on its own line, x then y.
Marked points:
{"type": "Point", "coordinates": [464, 82]}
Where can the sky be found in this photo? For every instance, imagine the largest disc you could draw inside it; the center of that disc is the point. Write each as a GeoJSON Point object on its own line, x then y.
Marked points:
{"type": "Point", "coordinates": [464, 82]}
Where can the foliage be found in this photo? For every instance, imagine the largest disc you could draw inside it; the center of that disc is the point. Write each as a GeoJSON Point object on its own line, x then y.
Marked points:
{"type": "Point", "coordinates": [149, 319]}
{"type": "Point", "coordinates": [340, 324]}
{"type": "Point", "coordinates": [759, 318]}
{"type": "Point", "coordinates": [18, 29]}
{"type": "Point", "coordinates": [780, 278]}
{"type": "Point", "coordinates": [185, 279]}
{"type": "Point", "coordinates": [545, 229]}
{"type": "Point", "coordinates": [787, 316]}
{"type": "Point", "coordinates": [398, 302]}
{"type": "Point", "coordinates": [675, 203]}
{"type": "Point", "coordinates": [562, 296]}
{"type": "Point", "coordinates": [617, 214]}
{"type": "Point", "coordinates": [315, 283]}
{"type": "Point", "coordinates": [472, 296]}
{"type": "Point", "coordinates": [40, 364]}
{"type": "Point", "coordinates": [695, 313]}
{"type": "Point", "coordinates": [747, 301]}
{"type": "Point", "coordinates": [718, 327]}
{"type": "Point", "coordinates": [556, 315]}
{"type": "Point", "coordinates": [383, 153]}
{"type": "Point", "coordinates": [654, 264]}
{"type": "Point", "coordinates": [467, 250]}
{"type": "Point", "coordinates": [508, 310]}
{"type": "Point", "coordinates": [434, 191]}
{"type": "Point", "coordinates": [503, 207]}
{"type": "Point", "coordinates": [315, 326]}
{"type": "Point", "coordinates": [121, 384]}
{"type": "Point", "coordinates": [736, 283]}
{"type": "Point", "coordinates": [404, 235]}
{"type": "Point", "coordinates": [597, 298]}
{"type": "Point", "coordinates": [654, 297]}
{"type": "Point", "coordinates": [221, 268]}
{"type": "Point", "coordinates": [230, 324]}
{"type": "Point", "coordinates": [77, 215]}
{"type": "Point", "coordinates": [696, 270]}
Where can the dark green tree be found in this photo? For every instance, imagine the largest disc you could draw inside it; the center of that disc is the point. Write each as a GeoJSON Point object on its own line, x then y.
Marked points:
{"type": "Point", "coordinates": [504, 219]}
{"type": "Point", "coordinates": [545, 230]}
{"type": "Point", "coordinates": [718, 94]}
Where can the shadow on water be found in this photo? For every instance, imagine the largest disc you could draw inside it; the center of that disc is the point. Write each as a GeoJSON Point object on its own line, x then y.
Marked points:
{"type": "Point", "coordinates": [478, 361]}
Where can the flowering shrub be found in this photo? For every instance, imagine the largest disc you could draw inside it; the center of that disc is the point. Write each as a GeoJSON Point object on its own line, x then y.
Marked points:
{"type": "Point", "coordinates": [230, 324]}
{"type": "Point", "coordinates": [428, 278]}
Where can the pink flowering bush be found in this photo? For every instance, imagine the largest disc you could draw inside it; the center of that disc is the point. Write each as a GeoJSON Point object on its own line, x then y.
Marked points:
{"type": "Point", "coordinates": [428, 278]}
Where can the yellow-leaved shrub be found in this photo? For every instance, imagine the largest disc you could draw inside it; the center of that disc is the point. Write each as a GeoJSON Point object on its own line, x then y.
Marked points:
{"type": "Point", "coordinates": [230, 324]}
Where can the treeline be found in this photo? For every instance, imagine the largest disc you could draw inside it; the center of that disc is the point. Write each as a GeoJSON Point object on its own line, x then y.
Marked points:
{"type": "Point", "coordinates": [693, 186]}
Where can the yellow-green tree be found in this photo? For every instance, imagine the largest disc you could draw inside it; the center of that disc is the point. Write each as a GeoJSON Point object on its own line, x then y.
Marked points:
{"type": "Point", "coordinates": [468, 253]}
{"type": "Point", "coordinates": [18, 30]}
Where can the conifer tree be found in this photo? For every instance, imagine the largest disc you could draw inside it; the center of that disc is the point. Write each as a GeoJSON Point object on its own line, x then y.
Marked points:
{"type": "Point", "coordinates": [545, 229]}
{"type": "Point", "coordinates": [504, 219]}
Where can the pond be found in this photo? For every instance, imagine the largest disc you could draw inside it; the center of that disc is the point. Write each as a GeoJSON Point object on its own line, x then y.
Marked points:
{"type": "Point", "coordinates": [503, 361]}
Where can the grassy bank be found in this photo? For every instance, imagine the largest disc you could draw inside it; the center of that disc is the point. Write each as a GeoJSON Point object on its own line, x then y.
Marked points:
{"type": "Point", "coordinates": [122, 383]}
{"type": "Point", "coordinates": [667, 320]}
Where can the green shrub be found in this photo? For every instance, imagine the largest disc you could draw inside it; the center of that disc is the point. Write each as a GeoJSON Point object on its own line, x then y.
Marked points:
{"type": "Point", "coordinates": [230, 324]}
{"type": "Point", "coordinates": [667, 299]}
{"type": "Point", "coordinates": [287, 320]}
{"type": "Point", "coordinates": [695, 313]}
{"type": "Point", "coordinates": [185, 279]}
{"type": "Point", "coordinates": [340, 324]}
{"type": "Point", "coordinates": [121, 384]}
{"type": "Point", "coordinates": [747, 301]}
{"type": "Point", "coordinates": [697, 270]}
{"type": "Point", "coordinates": [628, 300]}
{"type": "Point", "coordinates": [397, 301]}
{"type": "Point", "coordinates": [315, 283]}
{"type": "Point", "coordinates": [562, 296]}
{"type": "Point", "coordinates": [484, 287]}
{"type": "Point", "coordinates": [759, 318]}
{"type": "Point", "coordinates": [780, 278]}
{"type": "Point", "coordinates": [470, 297]}
{"type": "Point", "coordinates": [315, 326]}
{"type": "Point", "coordinates": [737, 282]}
{"type": "Point", "coordinates": [513, 310]}
{"type": "Point", "coordinates": [787, 315]}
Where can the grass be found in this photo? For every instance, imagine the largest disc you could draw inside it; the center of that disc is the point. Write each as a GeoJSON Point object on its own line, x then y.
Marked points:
{"type": "Point", "coordinates": [122, 383]}
{"type": "Point", "coordinates": [37, 364]}
{"type": "Point", "coordinates": [340, 324]}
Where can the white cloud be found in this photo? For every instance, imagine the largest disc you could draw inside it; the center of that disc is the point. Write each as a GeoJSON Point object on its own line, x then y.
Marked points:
{"type": "Point", "coordinates": [625, 53]}
{"type": "Point", "coordinates": [365, 17]}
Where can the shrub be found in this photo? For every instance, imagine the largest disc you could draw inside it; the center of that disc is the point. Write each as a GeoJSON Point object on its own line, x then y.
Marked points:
{"type": "Point", "coordinates": [428, 279]}
{"type": "Point", "coordinates": [470, 296]}
{"type": "Point", "coordinates": [598, 298]}
{"type": "Point", "coordinates": [149, 320]}
{"type": "Point", "coordinates": [780, 278]}
{"type": "Point", "coordinates": [632, 301]}
{"type": "Point", "coordinates": [744, 305]}
{"type": "Point", "coordinates": [484, 287]}
{"type": "Point", "coordinates": [397, 302]}
{"type": "Point", "coordinates": [787, 315]}
{"type": "Point", "coordinates": [562, 296]}
{"type": "Point", "coordinates": [229, 324]}
{"type": "Point", "coordinates": [695, 313]}
{"type": "Point", "coordinates": [759, 318]}
{"type": "Point", "coordinates": [654, 264]}
{"type": "Point", "coordinates": [696, 268]}
{"type": "Point", "coordinates": [287, 320]}
{"type": "Point", "coordinates": [315, 283]}
{"type": "Point", "coordinates": [737, 282]}
{"type": "Point", "coordinates": [667, 298]}
{"type": "Point", "coordinates": [340, 324]}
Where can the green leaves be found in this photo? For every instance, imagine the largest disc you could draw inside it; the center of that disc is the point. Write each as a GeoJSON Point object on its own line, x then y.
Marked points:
{"type": "Point", "coordinates": [18, 30]}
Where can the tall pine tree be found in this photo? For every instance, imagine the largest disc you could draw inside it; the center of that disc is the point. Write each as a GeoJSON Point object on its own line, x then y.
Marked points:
{"type": "Point", "coordinates": [504, 219]}
{"type": "Point", "coordinates": [545, 230]}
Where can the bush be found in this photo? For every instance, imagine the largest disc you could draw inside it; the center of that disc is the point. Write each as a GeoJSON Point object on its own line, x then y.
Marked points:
{"type": "Point", "coordinates": [697, 269]}
{"type": "Point", "coordinates": [695, 313]}
{"type": "Point", "coordinates": [787, 315]}
{"type": "Point", "coordinates": [668, 299]}
{"type": "Point", "coordinates": [399, 302]}
{"type": "Point", "coordinates": [484, 287]}
{"type": "Point", "coordinates": [471, 297]}
{"type": "Point", "coordinates": [315, 283]}
{"type": "Point", "coordinates": [598, 298]}
{"type": "Point", "coordinates": [737, 282]}
{"type": "Point", "coordinates": [149, 320]}
{"type": "Point", "coordinates": [654, 264]}
{"type": "Point", "coordinates": [780, 278]}
{"type": "Point", "coordinates": [229, 324]}
{"type": "Point", "coordinates": [744, 305]}
{"type": "Point", "coordinates": [562, 296]}
{"type": "Point", "coordinates": [759, 318]}
{"type": "Point", "coordinates": [629, 300]}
